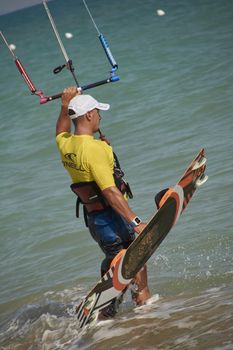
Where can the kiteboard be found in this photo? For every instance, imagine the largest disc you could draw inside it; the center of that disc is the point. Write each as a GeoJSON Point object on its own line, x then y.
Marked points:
{"type": "Point", "coordinates": [171, 204]}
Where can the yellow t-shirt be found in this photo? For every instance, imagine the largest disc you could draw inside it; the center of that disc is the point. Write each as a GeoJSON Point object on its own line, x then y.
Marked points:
{"type": "Point", "coordinates": [86, 159]}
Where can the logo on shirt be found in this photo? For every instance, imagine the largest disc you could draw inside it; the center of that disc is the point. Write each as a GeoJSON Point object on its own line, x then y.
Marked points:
{"type": "Point", "coordinates": [70, 157]}
{"type": "Point", "coordinates": [71, 161]}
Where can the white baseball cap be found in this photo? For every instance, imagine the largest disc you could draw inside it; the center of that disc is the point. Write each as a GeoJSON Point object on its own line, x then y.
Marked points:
{"type": "Point", "coordinates": [81, 104]}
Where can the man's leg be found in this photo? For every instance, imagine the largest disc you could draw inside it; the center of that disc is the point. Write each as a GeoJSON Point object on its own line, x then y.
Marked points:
{"type": "Point", "coordinates": [111, 244]}
{"type": "Point", "coordinates": [127, 234]}
{"type": "Point", "coordinates": [114, 234]}
{"type": "Point", "coordinates": [142, 292]}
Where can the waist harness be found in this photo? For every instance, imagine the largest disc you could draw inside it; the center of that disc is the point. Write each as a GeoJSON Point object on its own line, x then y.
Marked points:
{"type": "Point", "coordinates": [90, 195]}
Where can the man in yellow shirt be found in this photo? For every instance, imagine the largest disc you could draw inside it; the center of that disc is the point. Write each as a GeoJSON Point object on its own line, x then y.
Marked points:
{"type": "Point", "coordinates": [97, 181]}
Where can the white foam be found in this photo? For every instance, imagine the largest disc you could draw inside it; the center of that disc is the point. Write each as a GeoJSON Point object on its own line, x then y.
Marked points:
{"type": "Point", "coordinates": [109, 333]}
{"type": "Point", "coordinates": [185, 323]}
{"type": "Point", "coordinates": [150, 304]}
{"type": "Point", "coordinates": [153, 299]}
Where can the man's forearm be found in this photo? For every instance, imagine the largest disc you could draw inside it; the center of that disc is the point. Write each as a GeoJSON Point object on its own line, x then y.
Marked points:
{"type": "Point", "coordinates": [63, 122]}
{"type": "Point", "coordinates": [118, 203]}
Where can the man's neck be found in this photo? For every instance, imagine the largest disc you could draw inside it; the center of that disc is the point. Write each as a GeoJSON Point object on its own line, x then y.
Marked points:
{"type": "Point", "coordinates": [83, 131]}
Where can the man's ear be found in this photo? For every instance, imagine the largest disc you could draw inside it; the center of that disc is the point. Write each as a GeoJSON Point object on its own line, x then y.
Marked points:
{"type": "Point", "coordinates": [89, 115]}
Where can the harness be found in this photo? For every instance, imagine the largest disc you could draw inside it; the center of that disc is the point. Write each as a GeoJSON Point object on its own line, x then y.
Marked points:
{"type": "Point", "coordinates": [90, 195]}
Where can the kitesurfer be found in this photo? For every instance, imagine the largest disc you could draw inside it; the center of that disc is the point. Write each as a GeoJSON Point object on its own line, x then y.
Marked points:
{"type": "Point", "coordinates": [98, 180]}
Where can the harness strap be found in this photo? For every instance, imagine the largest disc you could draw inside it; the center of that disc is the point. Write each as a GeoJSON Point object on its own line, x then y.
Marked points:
{"type": "Point", "coordinates": [120, 182]}
{"type": "Point", "coordinates": [84, 211]}
{"type": "Point", "coordinates": [85, 215]}
{"type": "Point", "coordinates": [77, 207]}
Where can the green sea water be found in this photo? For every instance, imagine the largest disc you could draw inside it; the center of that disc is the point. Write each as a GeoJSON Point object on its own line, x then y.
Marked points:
{"type": "Point", "coordinates": [173, 98]}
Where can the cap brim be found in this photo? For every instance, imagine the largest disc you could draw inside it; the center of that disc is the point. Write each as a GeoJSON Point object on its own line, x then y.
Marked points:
{"type": "Point", "coordinates": [103, 106]}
